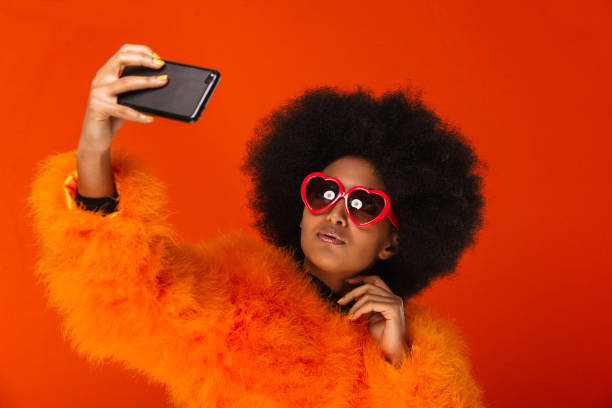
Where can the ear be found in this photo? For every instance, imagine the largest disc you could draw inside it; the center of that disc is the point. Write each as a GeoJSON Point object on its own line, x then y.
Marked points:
{"type": "Point", "coordinates": [390, 247]}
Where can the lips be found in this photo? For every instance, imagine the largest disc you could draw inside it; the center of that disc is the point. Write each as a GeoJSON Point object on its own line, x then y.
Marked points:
{"type": "Point", "coordinates": [330, 235]}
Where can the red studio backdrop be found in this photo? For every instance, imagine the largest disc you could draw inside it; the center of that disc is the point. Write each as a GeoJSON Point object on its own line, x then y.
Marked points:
{"type": "Point", "coordinates": [527, 82]}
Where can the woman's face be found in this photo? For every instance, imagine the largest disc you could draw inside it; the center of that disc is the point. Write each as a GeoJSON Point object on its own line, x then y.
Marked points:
{"type": "Point", "coordinates": [361, 247]}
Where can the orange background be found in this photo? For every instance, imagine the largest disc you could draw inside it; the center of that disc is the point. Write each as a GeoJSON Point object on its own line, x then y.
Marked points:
{"type": "Point", "coordinates": [528, 82]}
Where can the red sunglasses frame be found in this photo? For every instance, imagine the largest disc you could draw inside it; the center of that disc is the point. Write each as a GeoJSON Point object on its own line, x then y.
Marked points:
{"type": "Point", "coordinates": [386, 211]}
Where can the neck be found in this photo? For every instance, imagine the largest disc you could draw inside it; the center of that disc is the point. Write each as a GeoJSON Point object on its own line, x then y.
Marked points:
{"type": "Point", "coordinates": [334, 281]}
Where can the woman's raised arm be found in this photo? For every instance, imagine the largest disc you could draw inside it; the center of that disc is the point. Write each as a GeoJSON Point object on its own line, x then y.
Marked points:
{"type": "Point", "coordinates": [104, 116]}
{"type": "Point", "coordinates": [125, 287]}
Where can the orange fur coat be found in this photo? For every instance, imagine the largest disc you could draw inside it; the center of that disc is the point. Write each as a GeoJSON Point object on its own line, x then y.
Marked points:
{"type": "Point", "coordinates": [226, 323]}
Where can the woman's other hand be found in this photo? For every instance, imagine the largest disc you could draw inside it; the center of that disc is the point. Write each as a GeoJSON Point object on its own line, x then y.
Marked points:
{"type": "Point", "coordinates": [385, 311]}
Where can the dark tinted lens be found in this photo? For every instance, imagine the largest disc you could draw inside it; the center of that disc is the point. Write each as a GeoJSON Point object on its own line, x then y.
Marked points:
{"type": "Point", "coordinates": [364, 207]}
{"type": "Point", "coordinates": [320, 193]}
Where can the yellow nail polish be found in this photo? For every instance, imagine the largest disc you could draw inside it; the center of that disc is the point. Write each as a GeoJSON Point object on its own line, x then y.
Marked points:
{"type": "Point", "coordinates": [158, 61]}
{"type": "Point", "coordinates": [162, 77]}
{"type": "Point", "coordinates": [156, 56]}
{"type": "Point", "coordinates": [340, 300]}
{"type": "Point", "coordinates": [350, 316]}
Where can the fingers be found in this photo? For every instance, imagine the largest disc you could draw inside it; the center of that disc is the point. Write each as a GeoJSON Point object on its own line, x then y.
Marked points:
{"type": "Point", "coordinates": [369, 287]}
{"type": "Point", "coordinates": [373, 279]}
{"type": "Point", "coordinates": [132, 82]}
{"type": "Point", "coordinates": [371, 303]}
{"type": "Point", "coordinates": [137, 47]}
{"type": "Point", "coordinates": [128, 54]}
{"type": "Point", "coordinates": [125, 112]}
{"type": "Point", "coordinates": [107, 85]}
{"type": "Point", "coordinates": [102, 106]}
{"type": "Point", "coordinates": [361, 290]}
{"type": "Point", "coordinates": [372, 296]}
{"type": "Point", "coordinates": [368, 297]}
{"type": "Point", "coordinates": [125, 58]}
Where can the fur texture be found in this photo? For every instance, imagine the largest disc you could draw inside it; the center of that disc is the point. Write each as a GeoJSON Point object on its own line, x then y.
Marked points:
{"type": "Point", "coordinates": [232, 322]}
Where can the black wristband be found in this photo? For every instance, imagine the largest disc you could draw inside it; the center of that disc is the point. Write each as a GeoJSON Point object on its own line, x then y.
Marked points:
{"type": "Point", "coordinates": [107, 205]}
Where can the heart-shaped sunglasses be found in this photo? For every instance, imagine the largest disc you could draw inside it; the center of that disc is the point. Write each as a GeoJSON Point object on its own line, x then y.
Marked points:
{"type": "Point", "coordinates": [364, 206]}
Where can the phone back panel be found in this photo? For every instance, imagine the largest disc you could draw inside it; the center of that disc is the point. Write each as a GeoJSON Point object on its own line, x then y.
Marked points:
{"type": "Point", "coordinates": [183, 97]}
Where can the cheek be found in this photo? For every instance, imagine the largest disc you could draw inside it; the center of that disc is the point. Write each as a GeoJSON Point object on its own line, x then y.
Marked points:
{"type": "Point", "coordinates": [306, 223]}
{"type": "Point", "coordinates": [364, 249]}
{"type": "Point", "coordinates": [304, 219]}
{"type": "Point", "coordinates": [367, 244]}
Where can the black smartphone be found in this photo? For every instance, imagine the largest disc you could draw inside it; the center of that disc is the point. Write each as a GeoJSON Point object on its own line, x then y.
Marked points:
{"type": "Point", "coordinates": [184, 96]}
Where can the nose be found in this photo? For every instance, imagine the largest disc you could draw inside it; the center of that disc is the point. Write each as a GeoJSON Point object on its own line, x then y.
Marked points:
{"type": "Point", "coordinates": [337, 213]}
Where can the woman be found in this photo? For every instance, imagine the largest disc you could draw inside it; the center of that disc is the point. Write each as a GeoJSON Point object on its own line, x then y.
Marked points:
{"type": "Point", "coordinates": [317, 314]}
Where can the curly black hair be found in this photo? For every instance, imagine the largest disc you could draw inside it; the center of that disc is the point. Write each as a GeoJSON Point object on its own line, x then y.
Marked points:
{"type": "Point", "coordinates": [431, 172]}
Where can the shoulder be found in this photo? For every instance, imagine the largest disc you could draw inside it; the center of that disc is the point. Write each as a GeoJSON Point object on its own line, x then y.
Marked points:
{"type": "Point", "coordinates": [237, 245]}
{"type": "Point", "coordinates": [439, 353]}
{"type": "Point", "coordinates": [437, 371]}
{"type": "Point", "coordinates": [248, 258]}
{"type": "Point", "coordinates": [427, 330]}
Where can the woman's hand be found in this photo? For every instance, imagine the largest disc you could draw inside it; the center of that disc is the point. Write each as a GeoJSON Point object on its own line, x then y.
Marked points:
{"type": "Point", "coordinates": [104, 116]}
{"type": "Point", "coordinates": [385, 312]}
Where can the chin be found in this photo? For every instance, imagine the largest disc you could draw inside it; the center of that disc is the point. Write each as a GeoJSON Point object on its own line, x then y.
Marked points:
{"type": "Point", "coordinates": [326, 262]}
{"type": "Point", "coordinates": [324, 257]}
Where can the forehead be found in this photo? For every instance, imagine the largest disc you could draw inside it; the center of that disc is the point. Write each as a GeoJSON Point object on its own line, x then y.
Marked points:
{"type": "Point", "coordinates": [355, 171]}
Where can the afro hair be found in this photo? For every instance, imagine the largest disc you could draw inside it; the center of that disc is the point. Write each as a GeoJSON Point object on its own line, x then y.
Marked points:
{"type": "Point", "coordinates": [431, 172]}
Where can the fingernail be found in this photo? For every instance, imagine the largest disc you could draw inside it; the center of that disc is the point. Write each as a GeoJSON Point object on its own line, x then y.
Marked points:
{"type": "Point", "coordinates": [148, 117]}
{"type": "Point", "coordinates": [158, 61]}
{"type": "Point", "coordinates": [162, 77]}
{"type": "Point", "coordinates": [155, 55]}
{"type": "Point", "coordinates": [350, 316]}
{"type": "Point", "coordinates": [340, 300]}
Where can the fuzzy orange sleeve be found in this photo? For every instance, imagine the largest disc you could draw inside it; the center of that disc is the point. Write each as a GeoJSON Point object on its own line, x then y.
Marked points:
{"type": "Point", "coordinates": [435, 373]}
{"type": "Point", "coordinates": [126, 289]}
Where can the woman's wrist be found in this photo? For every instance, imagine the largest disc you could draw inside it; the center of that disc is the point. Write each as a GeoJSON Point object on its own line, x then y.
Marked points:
{"type": "Point", "coordinates": [398, 360]}
{"type": "Point", "coordinates": [95, 177]}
